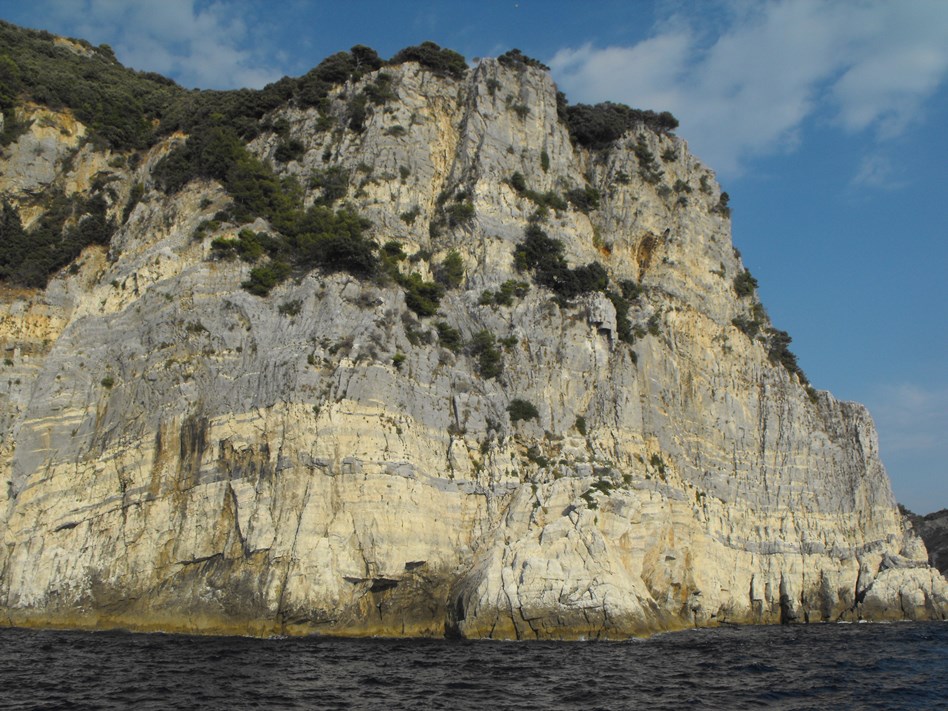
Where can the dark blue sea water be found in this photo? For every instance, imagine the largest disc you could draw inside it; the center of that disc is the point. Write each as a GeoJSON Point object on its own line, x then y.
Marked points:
{"type": "Point", "coordinates": [897, 666]}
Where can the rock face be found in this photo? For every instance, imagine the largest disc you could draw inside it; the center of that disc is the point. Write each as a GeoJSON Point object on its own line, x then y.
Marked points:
{"type": "Point", "coordinates": [179, 454]}
{"type": "Point", "coordinates": [933, 530]}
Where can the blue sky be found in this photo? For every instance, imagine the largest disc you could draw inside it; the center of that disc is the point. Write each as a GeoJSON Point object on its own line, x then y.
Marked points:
{"type": "Point", "coordinates": [823, 120]}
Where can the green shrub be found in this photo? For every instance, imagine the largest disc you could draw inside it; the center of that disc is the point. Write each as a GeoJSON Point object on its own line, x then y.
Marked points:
{"type": "Point", "coordinates": [517, 59]}
{"type": "Point", "coordinates": [448, 336]}
{"type": "Point", "coordinates": [745, 284]}
{"type": "Point", "coordinates": [450, 273]}
{"type": "Point", "coordinates": [107, 382]}
{"type": "Point", "coordinates": [723, 205]}
{"type": "Point", "coordinates": [422, 297]}
{"type": "Point", "coordinates": [460, 213]}
{"type": "Point", "coordinates": [392, 251]}
{"type": "Point", "coordinates": [398, 359]}
{"type": "Point", "coordinates": [483, 346]}
{"type": "Point", "coordinates": [249, 245]}
{"type": "Point", "coordinates": [648, 167]}
{"type": "Point", "coordinates": [380, 91]}
{"type": "Point", "coordinates": [265, 277]}
{"type": "Point", "coordinates": [134, 197]}
{"type": "Point", "coordinates": [598, 126]}
{"type": "Point", "coordinates": [290, 308]}
{"type": "Point", "coordinates": [624, 330]}
{"type": "Point", "coordinates": [333, 182]}
{"type": "Point", "coordinates": [288, 150]}
{"type": "Point", "coordinates": [409, 216]}
{"type": "Point", "coordinates": [544, 255]}
{"type": "Point", "coordinates": [30, 258]}
{"type": "Point", "coordinates": [584, 199]}
{"type": "Point", "coordinates": [749, 327]}
{"type": "Point", "coordinates": [581, 425]}
{"type": "Point", "coordinates": [434, 58]}
{"type": "Point", "coordinates": [779, 353]}
{"type": "Point", "coordinates": [630, 290]}
{"type": "Point", "coordinates": [547, 200]}
{"type": "Point", "coordinates": [520, 409]}
{"type": "Point", "coordinates": [504, 296]}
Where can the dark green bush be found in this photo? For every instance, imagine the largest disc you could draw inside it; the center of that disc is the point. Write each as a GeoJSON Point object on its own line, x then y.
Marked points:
{"type": "Point", "coordinates": [30, 258]}
{"type": "Point", "coordinates": [544, 255]}
{"type": "Point", "coordinates": [448, 336]}
{"type": "Point", "coordinates": [520, 409]}
{"type": "Point", "coordinates": [392, 251]}
{"type": "Point", "coordinates": [518, 182]}
{"type": "Point", "coordinates": [516, 58]}
{"type": "Point", "coordinates": [749, 327]}
{"type": "Point", "coordinates": [450, 273]}
{"type": "Point", "coordinates": [333, 182]}
{"type": "Point", "coordinates": [249, 245]}
{"type": "Point", "coordinates": [504, 296]}
{"type": "Point", "coordinates": [460, 213]}
{"type": "Point", "coordinates": [483, 346]}
{"type": "Point", "coordinates": [409, 216]}
{"type": "Point", "coordinates": [290, 308]}
{"type": "Point", "coordinates": [433, 57]}
{"type": "Point", "coordinates": [584, 199]}
{"type": "Point", "coordinates": [543, 201]}
{"type": "Point", "coordinates": [357, 112]}
{"type": "Point", "coordinates": [134, 197]}
{"type": "Point", "coordinates": [598, 126]}
{"type": "Point", "coordinates": [290, 149]}
{"type": "Point", "coordinates": [648, 167]}
{"type": "Point", "coordinates": [422, 297]}
{"type": "Point", "coordinates": [623, 328]}
{"type": "Point", "coordinates": [380, 91]}
{"type": "Point", "coordinates": [630, 290]}
{"type": "Point", "coordinates": [745, 284]}
{"type": "Point", "coordinates": [779, 353]}
{"type": "Point", "coordinates": [265, 277]}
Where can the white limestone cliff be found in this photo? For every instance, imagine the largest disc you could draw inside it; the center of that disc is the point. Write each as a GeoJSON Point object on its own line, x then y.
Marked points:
{"type": "Point", "coordinates": [179, 454]}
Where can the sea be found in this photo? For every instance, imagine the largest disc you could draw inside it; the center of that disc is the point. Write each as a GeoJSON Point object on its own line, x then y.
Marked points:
{"type": "Point", "coordinates": [833, 666]}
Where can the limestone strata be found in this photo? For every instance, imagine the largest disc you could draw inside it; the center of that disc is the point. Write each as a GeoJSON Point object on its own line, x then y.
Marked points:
{"type": "Point", "coordinates": [179, 454]}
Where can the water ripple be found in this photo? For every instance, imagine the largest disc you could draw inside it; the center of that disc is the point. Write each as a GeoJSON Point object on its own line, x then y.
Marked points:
{"type": "Point", "coordinates": [897, 667]}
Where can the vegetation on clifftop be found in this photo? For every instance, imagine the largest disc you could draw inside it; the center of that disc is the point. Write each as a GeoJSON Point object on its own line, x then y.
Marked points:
{"type": "Point", "coordinates": [128, 111]}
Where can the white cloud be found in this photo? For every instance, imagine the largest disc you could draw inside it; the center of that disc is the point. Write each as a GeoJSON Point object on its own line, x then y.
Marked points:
{"type": "Point", "coordinates": [746, 88]}
{"type": "Point", "coordinates": [200, 44]}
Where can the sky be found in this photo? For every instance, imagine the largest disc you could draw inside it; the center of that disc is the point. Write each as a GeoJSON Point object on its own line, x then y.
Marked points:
{"type": "Point", "coordinates": [824, 121]}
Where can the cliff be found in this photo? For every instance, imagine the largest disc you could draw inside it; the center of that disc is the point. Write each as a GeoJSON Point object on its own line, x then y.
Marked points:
{"type": "Point", "coordinates": [933, 530]}
{"type": "Point", "coordinates": [530, 394]}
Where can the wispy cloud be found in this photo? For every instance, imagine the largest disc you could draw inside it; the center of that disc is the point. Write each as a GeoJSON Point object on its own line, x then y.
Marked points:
{"type": "Point", "coordinates": [876, 171]}
{"type": "Point", "coordinates": [745, 87]}
{"type": "Point", "coordinates": [912, 418]}
{"type": "Point", "coordinates": [206, 45]}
